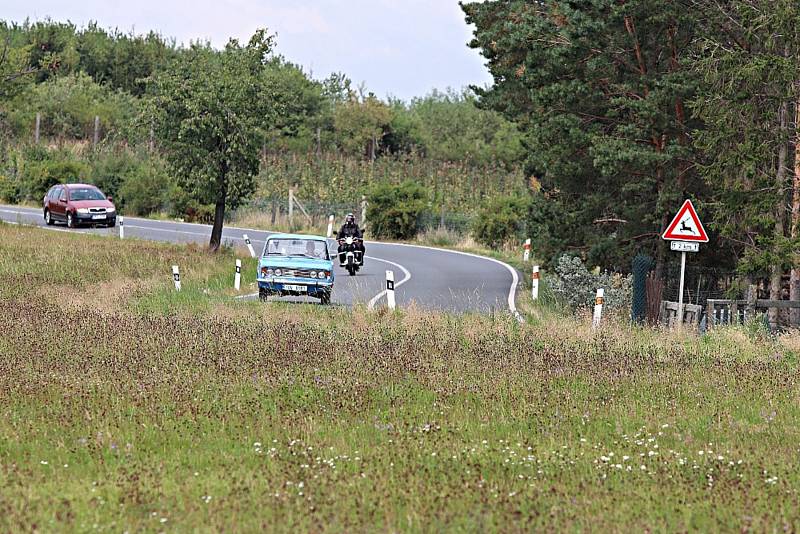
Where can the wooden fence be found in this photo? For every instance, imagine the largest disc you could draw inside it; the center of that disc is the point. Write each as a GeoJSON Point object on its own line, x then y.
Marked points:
{"type": "Point", "coordinates": [722, 311]}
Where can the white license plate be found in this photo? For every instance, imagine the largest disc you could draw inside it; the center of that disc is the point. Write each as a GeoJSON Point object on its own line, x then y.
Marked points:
{"type": "Point", "coordinates": [98, 217]}
{"type": "Point", "coordinates": [289, 287]}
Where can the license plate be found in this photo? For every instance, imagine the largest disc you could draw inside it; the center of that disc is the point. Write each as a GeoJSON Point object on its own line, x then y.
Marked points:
{"type": "Point", "coordinates": [289, 287]}
{"type": "Point", "coordinates": [98, 217]}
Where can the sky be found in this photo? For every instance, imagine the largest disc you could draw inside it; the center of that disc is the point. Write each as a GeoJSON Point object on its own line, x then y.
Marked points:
{"type": "Point", "coordinates": [402, 48]}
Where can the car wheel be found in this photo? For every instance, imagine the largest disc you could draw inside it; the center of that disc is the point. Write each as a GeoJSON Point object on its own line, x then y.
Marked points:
{"type": "Point", "coordinates": [325, 299]}
{"type": "Point", "coordinates": [263, 295]}
{"type": "Point", "coordinates": [70, 220]}
{"type": "Point", "coordinates": [112, 224]}
{"type": "Point", "coordinates": [48, 218]}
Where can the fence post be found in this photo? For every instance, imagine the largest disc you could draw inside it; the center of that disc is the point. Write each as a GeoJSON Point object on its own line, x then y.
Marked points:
{"type": "Point", "coordinates": [363, 211]}
{"type": "Point", "coordinates": [237, 280]}
{"type": "Point", "coordinates": [37, 129]}
{"type": "Point", "coordinates": [291, 206]}
{"type": "Point", "coordinates": [249, 245]}
{"type": "Point", "coordinates": [598, 307]}
{"type": "Point", "coordinates": [527, 254]}
{"type": "Point", "coordinates": [121, 227]}
{"type": "Point", "coordinates": [390, 290]}
{"type": "Point", "coordinates": [96, 136]}
{"type": "Point", "coordinates": [535, 283]}
{"type": "Point", "coordinates": [176, 277]}
{"type": "Point", "coordinates": [330, 227]}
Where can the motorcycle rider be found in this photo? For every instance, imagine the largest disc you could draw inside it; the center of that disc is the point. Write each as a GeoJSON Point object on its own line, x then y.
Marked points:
{"type": "Point", "coordinates": [350, 229]}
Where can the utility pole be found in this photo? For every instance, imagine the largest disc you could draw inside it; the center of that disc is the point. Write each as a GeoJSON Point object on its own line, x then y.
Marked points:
{"type": "Point", "coordinates": [36, 130]}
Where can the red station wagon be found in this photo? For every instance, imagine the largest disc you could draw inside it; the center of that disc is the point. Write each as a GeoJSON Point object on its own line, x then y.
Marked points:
{"type": "Point", "coordinates": [77, 204]}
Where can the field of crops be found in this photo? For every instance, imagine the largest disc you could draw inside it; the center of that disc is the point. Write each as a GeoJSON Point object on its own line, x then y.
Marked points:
{"type": "Point", "coordinates": [126, 407]}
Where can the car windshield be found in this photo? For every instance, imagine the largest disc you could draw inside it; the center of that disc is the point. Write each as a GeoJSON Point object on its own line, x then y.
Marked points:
{"type": "Point", "coordinates": [86, 193]}
{"type": "Point", "coordinates": [306, 248]}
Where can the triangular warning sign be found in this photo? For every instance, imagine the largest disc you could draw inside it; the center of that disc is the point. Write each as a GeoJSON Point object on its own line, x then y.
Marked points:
{"type": "Point", "coordinates": [686, 226]}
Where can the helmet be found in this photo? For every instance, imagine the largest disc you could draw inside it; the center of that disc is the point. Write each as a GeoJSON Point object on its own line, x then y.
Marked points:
{"type": "Point", "coordinates": [350, 218]}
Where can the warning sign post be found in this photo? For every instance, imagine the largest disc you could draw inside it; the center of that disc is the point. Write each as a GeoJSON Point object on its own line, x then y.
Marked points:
{"type": "Point", "coordinates": [685, 232]}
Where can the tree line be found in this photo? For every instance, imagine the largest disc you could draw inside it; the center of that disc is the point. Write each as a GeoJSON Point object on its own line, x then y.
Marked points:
{"type": "Point", "coordinates": [628, 106]}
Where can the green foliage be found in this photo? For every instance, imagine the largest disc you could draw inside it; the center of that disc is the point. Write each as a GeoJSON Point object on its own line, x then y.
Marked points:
{"type": "Point", "coordinates": [207, 108]}
{"type": "Point", "coordinates": [394, 211]}
{"type": "Point", "coordinates": [577, 287]}
{"type": "Point", "coordinates": [360, 124]}
{"type": "Point", "coordinates": [501, 220]}
{"type": "Point", "coordinates": [41, 169]}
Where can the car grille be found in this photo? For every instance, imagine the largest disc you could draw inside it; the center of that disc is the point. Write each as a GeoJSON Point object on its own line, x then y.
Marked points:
{"type": "Point", "coordinates": [97, 210]}
{"type": "Point", "coordinates": [297, 273]}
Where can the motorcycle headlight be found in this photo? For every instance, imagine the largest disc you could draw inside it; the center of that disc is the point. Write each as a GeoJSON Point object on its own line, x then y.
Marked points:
{"type": "Point", "coordinates": [278, 272]}
{"type": "Point", "coordinates": [83, 210]}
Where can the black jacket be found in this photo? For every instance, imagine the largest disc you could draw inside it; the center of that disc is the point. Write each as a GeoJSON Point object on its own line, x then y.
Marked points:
{"type": "Point", "coordinates": [350, 230]}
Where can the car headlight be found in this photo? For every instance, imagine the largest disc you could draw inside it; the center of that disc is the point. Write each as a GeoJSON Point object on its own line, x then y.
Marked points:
{"type": "Point", "coordinates": [111, 210]}
{"type": "Point", "coordinates": [270, 272]}
{"type": "Point", "coordinates": [278, 272]}
{"type": "Point", "coordinates": [83, 210]}
{"type": "Point", "coordinates": [313, 274]}
{"type": "Point", "coordinates": [322, 274]}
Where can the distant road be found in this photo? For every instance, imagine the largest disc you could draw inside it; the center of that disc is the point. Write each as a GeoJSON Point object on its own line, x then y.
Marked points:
{"type": "Point", "coordinates": [430, 278]}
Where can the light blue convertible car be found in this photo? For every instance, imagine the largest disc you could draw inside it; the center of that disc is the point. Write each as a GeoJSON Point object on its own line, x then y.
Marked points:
{"type": "Point", "coordinates": [298, 265]}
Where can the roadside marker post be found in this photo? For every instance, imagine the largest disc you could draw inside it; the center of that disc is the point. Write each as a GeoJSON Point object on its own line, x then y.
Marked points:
{"type": "Point", "coordinates": [176, 276]}
{"type": "Point", "coordinates": [121, 228]}
{"type": "Point", "coordinates": [330, 227]}
{"type": "Point", "coordinates": [599, 300]}
{"type": "Point", "coordinates": [237, 280]}
{"type": "Point", "coordinates": [527, 255]}
{"type": "Point", "coordinates": [685, 234]}
{"type": "Point", "coordinates": [535, 283]}
{"type": "Point", "coordinates": [390, 290]}
{"type": "Point", "coordinates": [249, 246]}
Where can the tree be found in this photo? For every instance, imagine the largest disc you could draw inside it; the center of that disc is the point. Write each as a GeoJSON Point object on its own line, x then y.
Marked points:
{"type": "Point", "coordinates": [749, 59]}
{"type": "Point", "coordinates": [598, 90]}
{"type": "Point", "coordinates": [361, 124]}
{"type": "Point", "coordinates": [207, 107]}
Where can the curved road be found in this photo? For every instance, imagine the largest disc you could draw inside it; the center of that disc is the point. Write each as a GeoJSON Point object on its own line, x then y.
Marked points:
{"type": "Point", "coordinates": [430, 278]}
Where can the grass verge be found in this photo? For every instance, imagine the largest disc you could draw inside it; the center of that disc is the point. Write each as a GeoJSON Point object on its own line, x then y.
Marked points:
{"type": "Point", "coordinates": [125, 406]}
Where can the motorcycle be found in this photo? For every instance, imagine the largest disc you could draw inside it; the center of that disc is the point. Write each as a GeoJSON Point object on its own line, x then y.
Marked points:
{"type": "Point", "coordinates": [350, 256]}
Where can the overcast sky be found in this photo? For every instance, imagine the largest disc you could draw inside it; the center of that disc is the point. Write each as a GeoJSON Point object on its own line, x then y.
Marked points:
{"type": "Point", "coordinates": [402, 48]}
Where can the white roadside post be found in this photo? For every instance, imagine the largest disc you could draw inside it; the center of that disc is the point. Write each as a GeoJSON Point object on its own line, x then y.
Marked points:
{"type": "Point", "coordinates": [535, 283]}
{"type": "Point", "coordinates": [176, 276]}
{"type": "Point", "coordinates": [237, 280]}
{"type": "Point", "coordinates": [527, 255]}
{"type": "Point", "coordinates": [390, 290]}
{"type": "Point", "coordinates": [599, 300]}
{"type": "Point", "coordinates": [249, 246]}
{"type": "Point", "coordinates": [121, 228]}
{"type": "Point", "coordinates": [330, 227]}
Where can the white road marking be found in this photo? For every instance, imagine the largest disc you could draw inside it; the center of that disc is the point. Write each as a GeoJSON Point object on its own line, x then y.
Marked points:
{"type": "Point", "coordinates": [406, 272]}
{"type": "Point", "coordinates": [512, 293]}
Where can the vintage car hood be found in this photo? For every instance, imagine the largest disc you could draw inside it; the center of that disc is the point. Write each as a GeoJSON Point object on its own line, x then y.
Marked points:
{"type": "Point", "coordinates": [296, 262]}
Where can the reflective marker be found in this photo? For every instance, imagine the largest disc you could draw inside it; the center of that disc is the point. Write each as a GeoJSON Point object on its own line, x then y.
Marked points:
{"type": "Point", "coordinates": [176, 276]}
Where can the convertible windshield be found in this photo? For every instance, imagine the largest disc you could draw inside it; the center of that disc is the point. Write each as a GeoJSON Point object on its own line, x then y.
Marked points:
{"type": "Point", "coordinates": [86, 193]}
{"type": "Point", "coordinates": [301, 248]}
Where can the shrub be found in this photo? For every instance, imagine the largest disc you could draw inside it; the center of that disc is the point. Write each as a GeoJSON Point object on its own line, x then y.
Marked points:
{"type": "Point", "coordinates": [576, 286]}
{"type": "Point", "coordinates": [145, 189]}
{"type": "Point", "coordinates": [501, 220]}
{"type": "Point", "coordinates": [394, 211]}
{"type": "Point", "coordinates": [39, 176]}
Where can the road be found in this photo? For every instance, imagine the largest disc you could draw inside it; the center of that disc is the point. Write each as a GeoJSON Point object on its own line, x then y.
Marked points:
{"type": "Point", "coordinates": [427, 277]}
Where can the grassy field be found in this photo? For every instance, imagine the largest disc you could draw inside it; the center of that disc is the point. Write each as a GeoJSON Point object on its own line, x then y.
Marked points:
{"type": "Point", "coordinates": [127, 407]}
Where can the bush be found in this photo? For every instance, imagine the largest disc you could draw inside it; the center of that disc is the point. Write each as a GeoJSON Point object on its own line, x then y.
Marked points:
{"type": "Point", "coordinates": [145, 189]}
{"type": "Point", "coordinates": [394, 211]}
{"type": "Point", "coordinates": [500, 221]}
{"type": "Point", "coordinates": [576, 286]}
{"type": "Point", "coordinates": [39, 176]}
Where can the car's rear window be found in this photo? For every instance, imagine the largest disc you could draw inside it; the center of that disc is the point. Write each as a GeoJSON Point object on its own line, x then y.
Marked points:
{"type": "Point", "coordinates": [86, 193]}
{"type": "Point", "coordinates": [302, 248]}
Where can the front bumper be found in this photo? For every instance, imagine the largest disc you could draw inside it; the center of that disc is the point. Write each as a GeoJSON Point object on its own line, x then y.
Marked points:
{"type": "Point", "coordinates": [278, 285]}
{"type": "Point", "coordinates": [88, 218]}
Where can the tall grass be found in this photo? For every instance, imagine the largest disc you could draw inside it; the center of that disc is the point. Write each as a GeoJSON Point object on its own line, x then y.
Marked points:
{"type": "Point", "coordinates": [243, 416]}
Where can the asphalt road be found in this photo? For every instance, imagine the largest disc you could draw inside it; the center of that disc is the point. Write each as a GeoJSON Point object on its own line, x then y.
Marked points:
{"type": "Point", "coordinates": [426, 277]}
